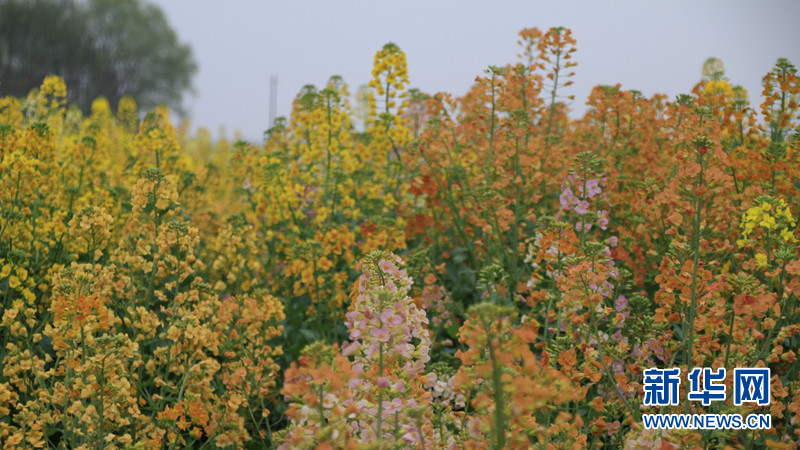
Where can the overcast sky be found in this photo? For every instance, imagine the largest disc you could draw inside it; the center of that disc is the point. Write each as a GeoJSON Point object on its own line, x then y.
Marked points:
{"type": "Point", "coordinates": [652, 46]}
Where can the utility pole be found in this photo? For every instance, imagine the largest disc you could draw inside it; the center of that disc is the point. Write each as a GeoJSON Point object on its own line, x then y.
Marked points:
{"type": "Point", "coordinates": [273, 98]}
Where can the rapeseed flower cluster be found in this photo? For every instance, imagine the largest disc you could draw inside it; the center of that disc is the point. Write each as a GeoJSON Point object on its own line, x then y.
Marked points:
{"type": "Point", "coordinates": [770, 216]}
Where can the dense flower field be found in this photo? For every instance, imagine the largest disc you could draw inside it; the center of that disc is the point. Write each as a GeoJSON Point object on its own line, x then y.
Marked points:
{"type": "Point", "coordinates": [470, 272]}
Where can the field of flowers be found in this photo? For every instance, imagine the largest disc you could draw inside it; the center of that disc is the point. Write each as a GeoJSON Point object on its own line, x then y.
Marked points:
{"type": "Point", "coordinates": [473, 272]}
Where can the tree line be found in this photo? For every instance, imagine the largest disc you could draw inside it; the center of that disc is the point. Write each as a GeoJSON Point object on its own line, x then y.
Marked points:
{"type": "Point", "coordinates": [108, 48]}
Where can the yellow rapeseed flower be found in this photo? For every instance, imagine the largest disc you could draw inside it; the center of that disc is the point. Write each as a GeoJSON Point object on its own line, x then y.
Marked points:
{"type": "Point", "coordinates": [761, 260]}
{"type": "Point", "coordinates": [770, 214]}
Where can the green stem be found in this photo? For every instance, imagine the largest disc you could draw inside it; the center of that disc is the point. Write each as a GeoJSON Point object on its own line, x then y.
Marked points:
{"type": "Point", "coordinates": [499, 404]}
{"type": "Point", "coordinates": [730, 338]}
{"type": "Point", "coordinates": [489, 170]}
{"type": "Point", "coordinates": [321, 396]}
{"type": "Point", "coordinates": [696, 222]}
{"type": "Point", "coordinates": [552, 101]}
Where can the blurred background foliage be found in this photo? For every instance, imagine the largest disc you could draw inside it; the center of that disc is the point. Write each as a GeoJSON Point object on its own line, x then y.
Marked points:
{"type": "Point", "coordinates": [108, 48]}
